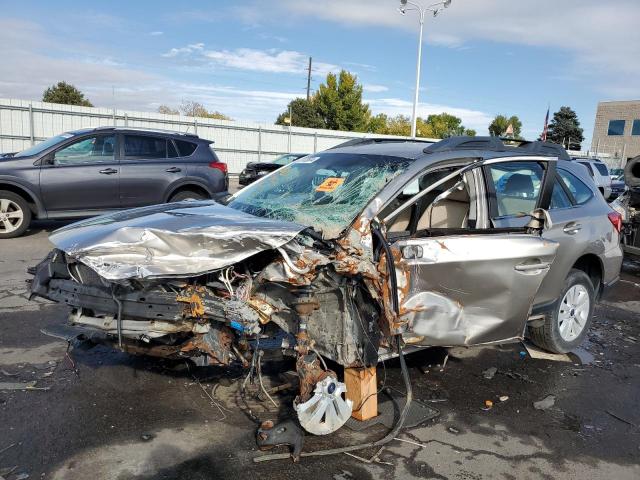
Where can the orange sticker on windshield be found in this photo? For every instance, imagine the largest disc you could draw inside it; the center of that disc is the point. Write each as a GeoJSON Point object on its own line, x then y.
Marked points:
{"type": "Point", "coordinates": [330, 184]}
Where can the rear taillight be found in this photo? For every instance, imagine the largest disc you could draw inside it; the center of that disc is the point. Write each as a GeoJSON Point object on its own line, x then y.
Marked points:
{"type": "Point", "coordinates": [616, 220]}
{"type": "Point", "coordinates": [220, 166]}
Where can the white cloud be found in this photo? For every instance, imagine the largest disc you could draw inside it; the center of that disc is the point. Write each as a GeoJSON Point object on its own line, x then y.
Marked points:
{"type": "Point", "coordinates": [156, 34]}
{"type": "Point", "coordinates": [373, 88]}
{"type": "Point", "coordinates": [174, 52]}
{"type": "Point", "coordinates": [270, 60]}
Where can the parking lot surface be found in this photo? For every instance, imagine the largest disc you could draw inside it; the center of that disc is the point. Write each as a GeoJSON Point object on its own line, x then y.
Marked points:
{"type": "Point", "coordinates": [108, 415]}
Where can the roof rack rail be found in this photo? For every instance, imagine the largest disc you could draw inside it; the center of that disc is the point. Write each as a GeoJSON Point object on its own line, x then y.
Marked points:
{"type": "Point", "coordinates": [466, 143]}
{"type": "Point", "coordinates": [370, 140]}
{"type": "Point", "coordinates": [545, 148]}
{"type": "Point", "coordinates": [145, 129]}
{"type": "Point", "coordinates": [497, 144]}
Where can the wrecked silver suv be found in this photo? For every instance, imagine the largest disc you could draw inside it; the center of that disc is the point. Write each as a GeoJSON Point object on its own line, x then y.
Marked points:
{"type": "Point", "coordinates": [345, 254]}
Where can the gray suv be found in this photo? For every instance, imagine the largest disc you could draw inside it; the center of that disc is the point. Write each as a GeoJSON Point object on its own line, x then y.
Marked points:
{"type": "Point", "coordinates": [93, 171]}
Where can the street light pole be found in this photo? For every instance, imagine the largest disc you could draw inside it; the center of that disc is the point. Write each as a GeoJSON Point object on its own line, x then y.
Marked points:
{"type": "Point", "coordinates": [435, 8]}
{"type": "Point", "coordinates": [414, 114]}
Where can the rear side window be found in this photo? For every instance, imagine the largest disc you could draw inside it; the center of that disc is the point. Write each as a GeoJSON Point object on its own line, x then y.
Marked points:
{"type": "Point", "coordinates": [171, 150]}
{"type": "Point", "coordinates": [581, 193]}
{"type": "Point", "coordinates": [517, 186]}
{"type": "Point", "coordinates": [185, 148]}
{"type": "Point", "coordinates": [588, 167]}
{"type": "Point", "coordinates": [142, 146]}
{"type": "Point", "coordinates": [602, 168]}
{"type": "Point", "coordinates": [559, 198]}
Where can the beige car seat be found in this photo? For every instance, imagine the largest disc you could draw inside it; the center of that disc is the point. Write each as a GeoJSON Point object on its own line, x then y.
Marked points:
{"type": "Point", "coordinates": [449, 210]}
{"type": "Point", "coordinates": [518, 195]}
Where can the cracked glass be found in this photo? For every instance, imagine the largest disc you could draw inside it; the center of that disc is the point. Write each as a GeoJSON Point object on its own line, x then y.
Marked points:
{"type": "Point", "coordinates": [324, 191]}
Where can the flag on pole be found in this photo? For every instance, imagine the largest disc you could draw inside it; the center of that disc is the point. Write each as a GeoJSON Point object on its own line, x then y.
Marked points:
{"type": "Point", "coordinates": [546, 127]}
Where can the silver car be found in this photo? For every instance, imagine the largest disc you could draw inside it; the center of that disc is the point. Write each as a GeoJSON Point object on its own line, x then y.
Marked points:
{"type": "Point", "coordinates": [354, 254]}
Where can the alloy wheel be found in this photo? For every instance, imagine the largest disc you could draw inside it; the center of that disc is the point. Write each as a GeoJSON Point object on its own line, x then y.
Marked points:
{"type": "Point", "coordinates": [11, 216]}
{"type": "Point", "coordinates": [574, 312]}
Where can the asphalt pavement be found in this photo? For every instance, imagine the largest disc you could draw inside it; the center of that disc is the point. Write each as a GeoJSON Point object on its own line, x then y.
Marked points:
{"type": "Point", "coordinates": [100, 414]}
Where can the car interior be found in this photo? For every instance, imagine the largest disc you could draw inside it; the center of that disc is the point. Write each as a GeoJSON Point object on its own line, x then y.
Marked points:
{"type": "Point", "coordinates": [445, 207]}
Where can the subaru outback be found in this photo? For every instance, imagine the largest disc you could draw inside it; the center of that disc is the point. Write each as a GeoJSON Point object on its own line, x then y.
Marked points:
{"type": "Point", "coordinates": [355, 254]}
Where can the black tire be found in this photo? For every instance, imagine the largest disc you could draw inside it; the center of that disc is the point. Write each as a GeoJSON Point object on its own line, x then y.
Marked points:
{"type": "Point", "coordinates": [548, 336]}
{"type": "Point", "coordinates": [15, 204]}
{"type": "Point", "coordinates": [186, 195]}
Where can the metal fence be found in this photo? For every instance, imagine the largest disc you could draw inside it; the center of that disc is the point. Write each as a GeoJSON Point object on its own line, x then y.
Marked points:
{"type": "Point", "coordinates": [23, 123]}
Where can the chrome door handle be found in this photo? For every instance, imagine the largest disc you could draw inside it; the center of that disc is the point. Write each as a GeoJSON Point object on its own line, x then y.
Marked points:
{"type": "Point", "coordinates": [572, 228]}
{"type": "Point", "coordinates": [529, 267]}
{"type": "Point", "coordinates": [108, 171]}
{"type": "Point", "coordinates": [173, 170]}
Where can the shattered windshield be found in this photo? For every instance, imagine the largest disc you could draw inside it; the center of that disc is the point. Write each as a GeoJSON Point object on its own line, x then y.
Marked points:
{"type": "Point", "coordinates": [325, 191]}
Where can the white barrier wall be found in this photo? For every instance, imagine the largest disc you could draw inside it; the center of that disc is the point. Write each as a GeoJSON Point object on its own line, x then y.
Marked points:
{"type": "Point", "coordinates": [23, 123]}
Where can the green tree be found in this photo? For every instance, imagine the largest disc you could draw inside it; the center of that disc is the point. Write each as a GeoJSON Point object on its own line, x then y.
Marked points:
{"type": "Point", "coordinates": [303, 113]}
{"type": "Point", "coordinates": [339, 103]}
{"type": "Point", "coordinates": [167, 110]}
{"type": "Point", "coordinates": [500, 124]}
{"type": "Point", "coordinates": [442, 125]}
{"type": "Point", "coordinates": [65, 93]}
{"type": "Point", "coordinates": [196, 109]}
{"type": "Point", "coordinates": [565, 129]}
{"type": "Point", "coordinates": [378, 123]}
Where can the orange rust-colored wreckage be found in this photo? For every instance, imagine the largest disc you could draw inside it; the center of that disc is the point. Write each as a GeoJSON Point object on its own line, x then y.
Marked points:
{"type": "Point", "coordinates": [308, 298]}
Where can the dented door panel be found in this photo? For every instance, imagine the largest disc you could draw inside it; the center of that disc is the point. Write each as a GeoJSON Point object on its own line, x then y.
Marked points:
{"type": "Point", "coordinates": [440, 299]}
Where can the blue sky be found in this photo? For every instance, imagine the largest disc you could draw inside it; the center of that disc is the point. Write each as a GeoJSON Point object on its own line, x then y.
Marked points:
{"type": "Point", "coordinates": [248, 58]}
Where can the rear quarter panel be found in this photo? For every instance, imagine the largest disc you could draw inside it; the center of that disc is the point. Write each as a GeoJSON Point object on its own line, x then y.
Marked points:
{"type": "Point", "coordinates": [597, 236]}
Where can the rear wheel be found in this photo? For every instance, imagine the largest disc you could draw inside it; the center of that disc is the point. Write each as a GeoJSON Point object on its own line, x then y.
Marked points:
{"type": "Point", "coordinates": [566, 326]}
{"type": "Point", "coordinates": [15, 215]}
{"type": "Point", "coordinates": [187, 195]}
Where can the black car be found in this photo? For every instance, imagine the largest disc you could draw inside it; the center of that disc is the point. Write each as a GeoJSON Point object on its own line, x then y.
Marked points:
{"type": "Point", "coordinates": [98, 170]}
{"type": "Point", "coordinates": [255, 170]}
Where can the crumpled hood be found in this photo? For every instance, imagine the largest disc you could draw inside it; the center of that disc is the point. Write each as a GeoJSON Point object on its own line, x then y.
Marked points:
{"type": "Point", "coordinates": [173, 240]}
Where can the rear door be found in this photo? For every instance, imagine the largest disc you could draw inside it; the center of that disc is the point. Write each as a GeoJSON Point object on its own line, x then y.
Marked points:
{"type": "Point", "coordinates": [82, 176]}
{"type": "Point", "coordinates": [149, 166]}
{"type": "Point", "coordinates": [467, 286]}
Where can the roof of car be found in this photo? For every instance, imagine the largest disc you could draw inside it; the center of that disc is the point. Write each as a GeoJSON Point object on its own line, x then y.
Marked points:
{"type": "Point", "coordinates": [193, 136]}
{"type": "Point", "coordinates": [452, 147]}
{"type": "Point", "coordinates": [403, 148]}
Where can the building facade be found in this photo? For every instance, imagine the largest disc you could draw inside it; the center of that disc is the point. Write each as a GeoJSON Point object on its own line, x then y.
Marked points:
{"type": "Point", "coordinates": [616, 132]}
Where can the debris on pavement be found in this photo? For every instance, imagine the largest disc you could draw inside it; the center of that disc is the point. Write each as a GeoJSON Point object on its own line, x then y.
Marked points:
{"type": "Point", "coordinates": [286, 433]}
{"type": "Point", "coordinates": [21, 386]}
{"type": "Point", "coordinates": [623, 420]}
{"type": "Point", "coordinates": [489, 373]}
{"type": "Point", "coordinates": [504, 398]}
{"type": "Point", "coordinates": [488, 405]}
{"type": "Point", "coordinates": [546, 403]}
{"type": "Point", "coordinates": [539, 354]}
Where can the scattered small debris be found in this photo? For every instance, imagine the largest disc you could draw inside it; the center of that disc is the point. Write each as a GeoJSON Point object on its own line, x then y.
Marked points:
{"type": "Point", "coordinates": [504, 398]}
{"type": "Point", "coordinates": [489, 373]}
{"type": "Point", "coordinates": [22, 476]}
{"type": "Point", "coordinates": [147, 437]}
{"type": "Point", "coordinates": [523, 354]}
{"type": "Point", "coordinates": [618, 417]}
{"type": "Point", "coordinates": [5, 472]}
{"type": "Point", "coordinates": [8, 374]}
{"type": "Point", "coordinates": [21, 386]}
{"type": "Point", "coordinates": [7, 448]}
{"type": "Point", "coordinates": [488, 405]}
{"type": "Point", "coordinates": [546, 403]}
{"type": "Point", "coordinates": [444, 363]}
{"type": "Point", "coordinates": [453, 430]}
